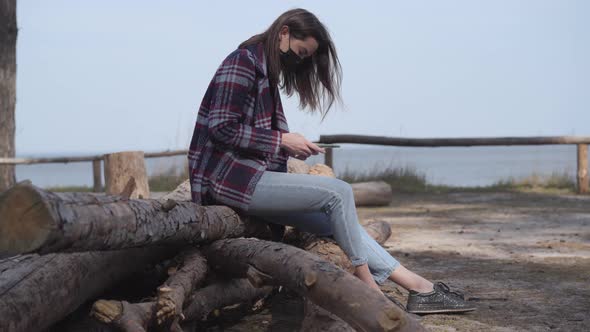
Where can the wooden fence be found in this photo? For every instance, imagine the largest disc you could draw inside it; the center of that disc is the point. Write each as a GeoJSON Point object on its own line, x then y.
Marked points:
{"type": "Point", "coordinates": [95, 159]}
{"type": "Point", "coordinates": [326, 140]}
{"type": "Point", "coordinates": [581, 142]}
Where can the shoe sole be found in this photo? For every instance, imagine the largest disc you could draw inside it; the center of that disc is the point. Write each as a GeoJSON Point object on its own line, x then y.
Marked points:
{"type": "Point", "coordinates": [442, 311]}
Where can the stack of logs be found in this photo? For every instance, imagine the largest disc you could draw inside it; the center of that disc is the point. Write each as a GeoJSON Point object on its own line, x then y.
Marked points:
{"type": "Point", "coordinates": [168, 264]}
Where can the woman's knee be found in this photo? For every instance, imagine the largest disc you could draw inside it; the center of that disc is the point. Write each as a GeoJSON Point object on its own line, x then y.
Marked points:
{"type": "Point", "coordinates": [343, 188]}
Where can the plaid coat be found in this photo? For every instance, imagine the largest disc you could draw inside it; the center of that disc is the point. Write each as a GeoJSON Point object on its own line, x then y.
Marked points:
{"type": "Point", "coordinates": [237, 132]}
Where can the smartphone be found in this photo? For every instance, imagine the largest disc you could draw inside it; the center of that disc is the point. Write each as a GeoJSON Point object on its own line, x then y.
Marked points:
{"type": "Point", "coordinates": [327, 145]}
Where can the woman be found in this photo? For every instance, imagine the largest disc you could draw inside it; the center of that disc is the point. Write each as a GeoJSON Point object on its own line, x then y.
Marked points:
{"type": "Point", "coordinates": [241, 143]}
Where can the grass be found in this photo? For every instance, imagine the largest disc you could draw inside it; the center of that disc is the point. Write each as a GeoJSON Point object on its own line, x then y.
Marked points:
{"type": "Point", "coordinates": [404, 179]}
{"type": "Point", "coordinates": [409, 180]}
{"type": "Point", "coordinates": [401, 179]}
{"type": "Point", "coordinates": [556, 182]}
{"type": "Point", "coordinates": [169, 179]}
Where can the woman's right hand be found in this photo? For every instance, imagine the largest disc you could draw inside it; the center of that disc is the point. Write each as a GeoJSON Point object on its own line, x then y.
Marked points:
{"type": "Point", "coordinates": [298, 146]}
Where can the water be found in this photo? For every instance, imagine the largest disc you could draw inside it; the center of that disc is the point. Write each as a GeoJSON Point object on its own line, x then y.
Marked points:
{"type": "Point", "coordinates": [456, 166]}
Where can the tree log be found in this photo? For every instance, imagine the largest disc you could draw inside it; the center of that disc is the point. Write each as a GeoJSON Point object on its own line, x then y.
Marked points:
{"type": "Point", "coordinates": [172, 295]}
{"type": "Point", "coordinates": [297, 166]}
{"type": "Point", "coordinates": [323, 170]}
{"type": "Point", "coordinates": [379, 230]}
{"type": "Point", "coordinates": [35, 220]}
{"type": "Point", "coordinates": [135, 317]}
{"type": "Point", "coordinates": [120, 167]}
{"type": "Point", "coordinates": [37, 291]}
{"type": "Point", "coordinates": [316, 318]}
{"type": "Point", "coordinates": [316, 279]}
{"type": "Point", "coordinates": [374, 193]}
{"type": "Point", "coordinates": [222, 294]}
{"type": "Point", "coordinates": [81, 321]}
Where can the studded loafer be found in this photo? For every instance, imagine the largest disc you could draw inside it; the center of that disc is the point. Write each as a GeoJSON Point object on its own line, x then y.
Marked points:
{"type": "Point", "coordinates": [440, 300]}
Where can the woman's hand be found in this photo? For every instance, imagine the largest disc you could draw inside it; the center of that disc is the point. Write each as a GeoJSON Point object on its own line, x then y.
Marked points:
{"type": "Point", "coordinates": [298, 146]}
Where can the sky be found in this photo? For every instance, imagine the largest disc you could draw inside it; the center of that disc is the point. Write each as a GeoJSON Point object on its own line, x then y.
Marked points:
{"type": "Point", "coordinates": [107, 76]}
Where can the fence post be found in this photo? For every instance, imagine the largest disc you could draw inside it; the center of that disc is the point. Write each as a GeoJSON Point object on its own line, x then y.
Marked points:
{"type": "Point", "coordinates": [97, 175]}
{"type": "Point", "coordinates": [582, 168]}
{"type": "Point", "coordinates": [329, 158]}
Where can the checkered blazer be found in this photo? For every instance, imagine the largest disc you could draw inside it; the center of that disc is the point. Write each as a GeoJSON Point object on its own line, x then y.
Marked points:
{"type": "Point", "coordinates": [237, 132]}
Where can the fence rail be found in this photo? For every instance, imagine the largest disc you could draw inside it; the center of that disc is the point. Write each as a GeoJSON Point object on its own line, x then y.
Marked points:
{"type": "Point", "coordinates": [327, 141]}
{"type": "Point", "coordinates": [95, 159]}
{"type": "Point", "coordinates": [581, 142]}
{"type": "Point", "coordinates": [447, 142]}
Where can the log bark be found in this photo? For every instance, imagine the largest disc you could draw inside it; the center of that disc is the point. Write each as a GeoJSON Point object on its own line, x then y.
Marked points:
{"type": "Point", "coordinates": [222, 294]}
{"type": "Point", "coordinates": [37, 291]}
{"type": "Point", "coordinates": [8, 36]}
{"type": "Point", "coordinates": [374, 193]}
{"type": "Point", "coordinates": [172, 295]}
{"type": "Point", "coordinates": [316, 318]}
{"type": "Point", "coordinates": [35, 220]}
{"type": "Point", "coordinates": [312, 277]}
{"type": "Point", "coordinates": [120, 167]}
{"type": "Point", "coordinates": [135, 317]}
{"type": "Point", "coordinates": [81, 321]}
{"type": "Point", "coordinates": [125, 316]}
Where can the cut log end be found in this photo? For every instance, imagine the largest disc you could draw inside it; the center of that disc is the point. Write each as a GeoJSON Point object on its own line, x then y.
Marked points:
{"type": "Point", "coordinates": [166, 308]}
{"type": "Point", "coordinates": [106, 311]}
{"type": "Point", "coordinates": [310, 279]}
{"type": "Point", "coordinates": [26, 222]}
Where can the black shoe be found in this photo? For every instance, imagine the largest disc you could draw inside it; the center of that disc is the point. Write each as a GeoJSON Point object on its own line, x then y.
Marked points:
{"type": "Point", "coordinates": [440, 300]}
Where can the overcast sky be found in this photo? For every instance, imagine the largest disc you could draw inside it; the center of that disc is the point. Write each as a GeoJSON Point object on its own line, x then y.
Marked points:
{"type": "Point", "coordinates": [105, 76]}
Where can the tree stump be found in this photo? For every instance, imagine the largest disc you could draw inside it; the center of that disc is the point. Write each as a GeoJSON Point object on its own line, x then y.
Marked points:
{"type": "Point", "coordinates": [121, 167]}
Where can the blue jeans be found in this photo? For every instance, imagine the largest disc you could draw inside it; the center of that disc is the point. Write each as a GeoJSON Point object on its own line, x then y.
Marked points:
{"type": "Point", "coordinates": [324, 206]}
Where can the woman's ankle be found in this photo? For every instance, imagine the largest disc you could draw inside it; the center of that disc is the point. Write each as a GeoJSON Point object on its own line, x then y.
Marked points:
{"type": "Point", "coordinates": [410, 280]}
{"type": "Point", "coordinates": [424, 287]}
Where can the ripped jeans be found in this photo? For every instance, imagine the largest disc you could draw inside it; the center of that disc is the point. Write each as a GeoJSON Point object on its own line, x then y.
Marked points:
{"type": "Point", "coordinates": [324, 206]}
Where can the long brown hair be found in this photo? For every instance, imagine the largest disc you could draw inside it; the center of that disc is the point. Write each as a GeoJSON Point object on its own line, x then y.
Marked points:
{"type": "Point", "coordinates": [317, 79]}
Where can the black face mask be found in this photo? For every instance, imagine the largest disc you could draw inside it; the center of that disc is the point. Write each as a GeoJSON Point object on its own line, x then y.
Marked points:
{"type": "Point", "coordinates": [290, 59]}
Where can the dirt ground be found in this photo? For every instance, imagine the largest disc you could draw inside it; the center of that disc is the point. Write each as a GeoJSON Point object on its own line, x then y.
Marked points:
{"type": "Point", "coordinates": [522, 258]}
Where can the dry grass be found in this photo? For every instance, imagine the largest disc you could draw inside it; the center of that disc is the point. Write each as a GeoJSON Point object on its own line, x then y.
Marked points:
{"type": "Point", "coordinates": [169, 179]}
{"type": "Point", "coordinates": [556, 181]}
{"type": "Point", "coordinates": [410, 180]}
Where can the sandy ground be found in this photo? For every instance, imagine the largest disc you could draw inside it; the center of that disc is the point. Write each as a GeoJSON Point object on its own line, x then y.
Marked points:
{"type": "Point", "coordinates": [523, 259]}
